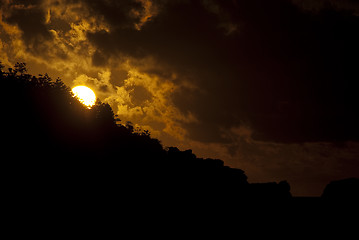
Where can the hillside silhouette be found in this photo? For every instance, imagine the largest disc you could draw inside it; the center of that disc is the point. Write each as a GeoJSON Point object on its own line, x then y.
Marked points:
{"type": "Point", "coordinates": [56, 148]}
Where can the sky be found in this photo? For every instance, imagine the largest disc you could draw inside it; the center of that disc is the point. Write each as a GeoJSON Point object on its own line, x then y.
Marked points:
{"type": "Point", "coordinates": [269, 87]}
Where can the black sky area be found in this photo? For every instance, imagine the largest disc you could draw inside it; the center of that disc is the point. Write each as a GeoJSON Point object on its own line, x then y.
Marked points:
{"type": "Point", "coordinates": [273, 84]}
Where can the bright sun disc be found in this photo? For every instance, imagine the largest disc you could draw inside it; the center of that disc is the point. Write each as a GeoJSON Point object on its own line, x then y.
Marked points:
{"type": "Point", "coordinates": [85, 95]}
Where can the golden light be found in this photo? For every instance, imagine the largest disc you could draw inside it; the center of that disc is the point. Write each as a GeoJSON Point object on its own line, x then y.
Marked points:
{"type": "Point", "coordinates": [85, 95]}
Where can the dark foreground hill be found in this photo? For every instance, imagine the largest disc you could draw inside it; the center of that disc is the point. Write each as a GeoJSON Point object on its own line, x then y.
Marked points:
{"type": "Point", "coordinates": [345, 189]}
{"type": "Point", "coordinates": [60, 156]}
{"type": "Point", "coordinates": [51, 140]}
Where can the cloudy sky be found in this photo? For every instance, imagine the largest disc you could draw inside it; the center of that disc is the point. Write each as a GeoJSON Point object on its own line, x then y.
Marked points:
{"type": "Point", "coordinates": [270, 87]}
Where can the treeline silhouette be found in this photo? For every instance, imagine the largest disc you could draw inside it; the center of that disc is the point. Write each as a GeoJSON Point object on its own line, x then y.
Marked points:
{"type": "Point", "coordinates": [55, 147]}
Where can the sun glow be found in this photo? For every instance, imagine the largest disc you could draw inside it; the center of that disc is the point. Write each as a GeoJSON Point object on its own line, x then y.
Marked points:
{"type": "Point", "coordinates": [85, 95]}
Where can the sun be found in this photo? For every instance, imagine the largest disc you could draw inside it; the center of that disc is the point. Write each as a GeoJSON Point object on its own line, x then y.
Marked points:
{"type": "Point", "coordinates": [85, 95]}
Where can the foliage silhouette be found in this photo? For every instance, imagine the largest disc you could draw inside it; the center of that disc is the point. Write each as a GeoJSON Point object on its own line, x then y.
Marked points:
{"type": "Point", "coordinates": [56, 147]}
{"type": "Point", "coordinates": [49, 134]}
{"type": "Point", "coordinates": [81, 167]}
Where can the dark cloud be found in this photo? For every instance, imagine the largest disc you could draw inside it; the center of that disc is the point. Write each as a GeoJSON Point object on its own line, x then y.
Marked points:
{"type": "Point", "coordinates": [184, 38]}
{"type": "Point", "coordinates": [99, 59]}
{"type": "Point", "coordinates": [289, 74]}
{"type": "Point", "coordinates": [30, 18]}
{"type": "Point", "coordinates": [119, 14]}
{"type": "Point", "coordinates": [351, 6]}
{"type": "Point", "coordinates": [140, 95]}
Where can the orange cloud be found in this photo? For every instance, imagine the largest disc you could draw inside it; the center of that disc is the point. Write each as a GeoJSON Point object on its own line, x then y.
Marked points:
{"type": "Point", "coordinates": [155, 108]}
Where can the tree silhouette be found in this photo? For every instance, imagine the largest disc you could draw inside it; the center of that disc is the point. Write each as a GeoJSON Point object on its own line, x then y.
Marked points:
{"type": "Point", "coordinates": [345, 189]}
{"type": "Point", "coordinates": [59, 154]}
{"type": "Point", "coordinates": [57, 145]}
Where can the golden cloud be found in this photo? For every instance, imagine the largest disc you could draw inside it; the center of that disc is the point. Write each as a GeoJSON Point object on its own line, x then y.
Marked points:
{"type": "Point", "coordinates": [143, 97]}
{"type": "Point", "coordinates": [156, 108]}
{"type": "Point", "coordinates": [13, 46]}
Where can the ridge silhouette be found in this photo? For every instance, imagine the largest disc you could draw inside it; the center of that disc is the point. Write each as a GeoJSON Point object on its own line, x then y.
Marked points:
{"type": "Point", "coordinates": [49, 132]}
{"type": "Point", "coordinates": [57, 152]}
